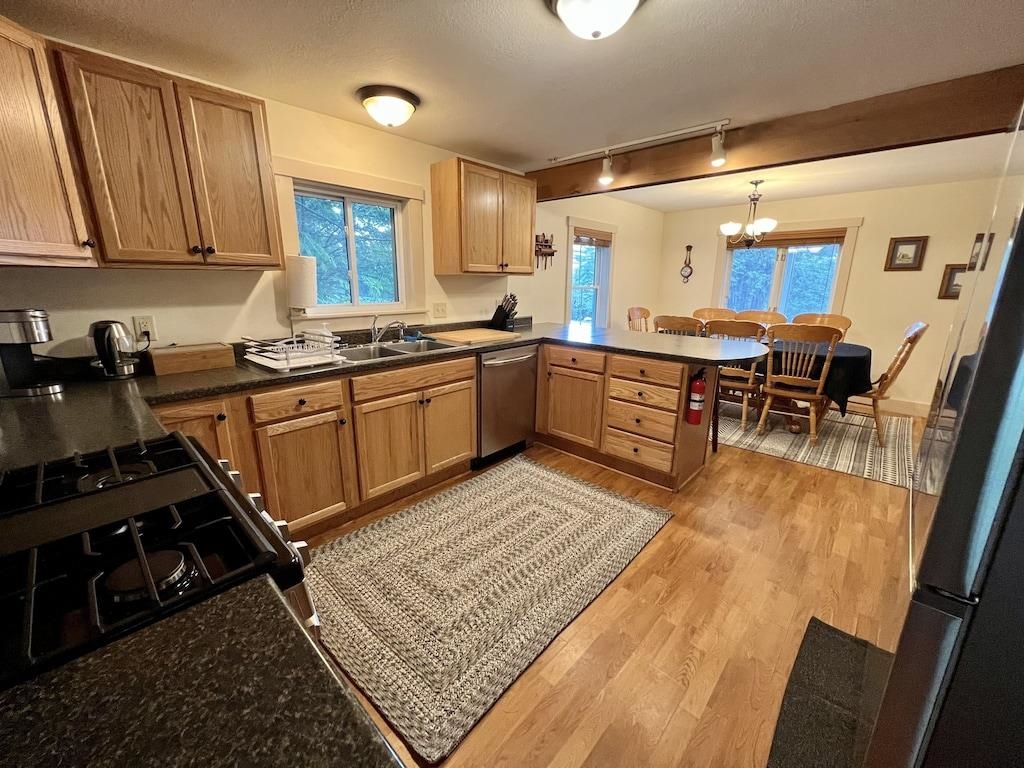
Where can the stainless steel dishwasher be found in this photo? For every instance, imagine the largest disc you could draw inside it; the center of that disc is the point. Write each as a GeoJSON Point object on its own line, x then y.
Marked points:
{"type": "Point", "coordinates": [508, 398]}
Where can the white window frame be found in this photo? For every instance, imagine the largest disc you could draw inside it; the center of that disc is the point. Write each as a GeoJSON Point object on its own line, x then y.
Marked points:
{"type": "Point", "coordinates": [604, 292]}
{"type": "Point", "coordinates": [347, 197]}
{"type": "Point", "coordinates": [723, 264]}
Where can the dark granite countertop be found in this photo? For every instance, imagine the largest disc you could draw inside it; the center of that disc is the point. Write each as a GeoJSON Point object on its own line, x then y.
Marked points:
{"type": "Point", "coordinates": [92, 416]}
{"type": "Point", "coordinates": [232, 681]}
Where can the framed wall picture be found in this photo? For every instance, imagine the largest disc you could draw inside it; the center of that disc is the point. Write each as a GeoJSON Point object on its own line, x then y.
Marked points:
{"type": "Point", "coordinates": [980, 251]}
{"type": "Point", "coordinates": [906, 254]}
{"type": "Point", "coordinates": [952, 281]}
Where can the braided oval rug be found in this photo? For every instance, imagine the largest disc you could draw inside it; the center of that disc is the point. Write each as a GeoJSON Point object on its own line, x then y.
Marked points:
{"type": "Point", "coordinates": [436, 610]}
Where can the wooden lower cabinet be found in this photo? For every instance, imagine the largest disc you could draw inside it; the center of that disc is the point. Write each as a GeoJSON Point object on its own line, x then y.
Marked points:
{"type": "Point", "coordinates": [308, 467]}
{"type": "Point", "coordinates": [206, 421]}
{"type": "Point", "coordinates": [389, 443]}
{"type": "Point", "coordinates": [449, 424]}
{"type": "Point", "coordinates": [574, 401]}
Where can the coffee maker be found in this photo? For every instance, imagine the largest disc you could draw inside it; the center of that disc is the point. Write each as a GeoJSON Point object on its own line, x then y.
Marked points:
{"type": "Point", "coordinates": [19, 330]}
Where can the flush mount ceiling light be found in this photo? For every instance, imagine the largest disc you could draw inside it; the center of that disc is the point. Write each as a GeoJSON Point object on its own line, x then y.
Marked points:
{"type": "Point", "coordinates": [718, 149]}
{"type": "Point", "coordinates": [387, 104]}
{"type": "Point", "coordinates": [606, 176]}
{"type": "Point", "coordinates": [755, 229]}
{"type": "Point", "coordinates": [593, 19]}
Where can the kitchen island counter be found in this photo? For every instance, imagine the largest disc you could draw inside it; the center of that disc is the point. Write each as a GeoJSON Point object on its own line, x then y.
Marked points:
{"type": "Point", "coordinates": [231, 681]}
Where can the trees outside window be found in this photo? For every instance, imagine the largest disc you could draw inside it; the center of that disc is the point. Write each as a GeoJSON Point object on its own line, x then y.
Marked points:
{"type": "Point", "coordinates": [355, 244]}
{"type": "Point", "coordinates": [790, 279]}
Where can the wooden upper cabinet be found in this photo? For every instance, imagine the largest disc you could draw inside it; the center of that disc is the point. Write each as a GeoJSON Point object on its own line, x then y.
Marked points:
{"type": "Point", "coordinates": [483, 219]}
{"type": "Point", "coordinates": [41, 214]}
{"type": "Point", "coordinates": [134, 158]}
{"type": "Point", "coordinates": [229, 155]}
{"type": "Point", "coordinates": [518, 214]}
{"type": "Point", "coordinates": [179, 173]}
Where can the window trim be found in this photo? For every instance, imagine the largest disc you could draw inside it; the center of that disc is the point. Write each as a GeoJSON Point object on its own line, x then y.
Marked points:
{"type": "Point", "coordinates": [604, 292]}
{"type": "Point", "coordinates": [852, 227]}
{"type": "Point", "coordinates": [290, 172]}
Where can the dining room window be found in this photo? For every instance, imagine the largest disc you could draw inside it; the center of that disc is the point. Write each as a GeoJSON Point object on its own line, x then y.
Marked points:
{"type": "Point", "coordinates": [791, 273]}
{"type": "Point", "coordinates": [591, 268]}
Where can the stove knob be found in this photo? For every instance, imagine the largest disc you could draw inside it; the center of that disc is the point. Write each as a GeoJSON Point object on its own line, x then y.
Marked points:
{"type": "Point", "coordinates": [256, 499]}
{"type": "Point", "coordinates": [282, 528]}
{"type": "Point", "coordinates": [302, 548]}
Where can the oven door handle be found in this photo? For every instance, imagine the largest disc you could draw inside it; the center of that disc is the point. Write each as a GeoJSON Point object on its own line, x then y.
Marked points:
{"type": "Point", "coordinates": [507, 361]}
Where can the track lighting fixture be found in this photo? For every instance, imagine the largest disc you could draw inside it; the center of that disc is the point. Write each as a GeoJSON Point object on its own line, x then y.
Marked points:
{"type": "Point", "coordinates": [606, 176]}
{"type": "Point", "coordinates": [718, 149]}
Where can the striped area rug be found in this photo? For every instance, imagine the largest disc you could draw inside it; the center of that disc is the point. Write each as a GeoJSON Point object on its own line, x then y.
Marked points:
{"type": "Point", "coordinates": [845, 444]}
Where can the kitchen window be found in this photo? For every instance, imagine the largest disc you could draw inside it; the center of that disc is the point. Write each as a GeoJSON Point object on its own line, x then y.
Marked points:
{"type": "Point", "coordinates": [791, 273]}
{"type": "Point", "coordinates": [355, 240]}
{"type": "Point", "coordinates": [590, 270]}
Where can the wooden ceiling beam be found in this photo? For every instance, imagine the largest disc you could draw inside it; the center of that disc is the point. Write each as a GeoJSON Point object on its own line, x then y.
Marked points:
{"type": "Point", "coordinates": [954, 109]}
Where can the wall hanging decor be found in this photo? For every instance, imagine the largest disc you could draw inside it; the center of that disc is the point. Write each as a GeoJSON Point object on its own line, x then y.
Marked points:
{"type": "Point", "coordinates": [686, 272]}
{"type": "Point", "coordinates": [544, 249]}
{"type": "Point", "coordinates": [979, 254]}
{"type": "Point", "coordinates": [952, 281]}
{"type": "Point", "coordinates": [906, 254]}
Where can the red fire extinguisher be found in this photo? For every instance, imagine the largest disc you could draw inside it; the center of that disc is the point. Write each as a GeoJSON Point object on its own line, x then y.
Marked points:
{"type": "Point", "coordinates": [695, 407]}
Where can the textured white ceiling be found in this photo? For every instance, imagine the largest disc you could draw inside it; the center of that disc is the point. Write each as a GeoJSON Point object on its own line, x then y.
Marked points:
{"type": "Point", "coordinates": [983, 157]}
{"type": "Point", "coordinates": [504, 80]}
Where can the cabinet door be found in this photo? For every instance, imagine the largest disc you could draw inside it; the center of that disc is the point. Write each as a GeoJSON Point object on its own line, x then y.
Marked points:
{"type": "Point", "coordinates": [229, 157]}
{"type": "Point", "coordinates": [41, 216]}
{"type": "Point", "coordinates": [128, 127]}
{"type": "Point", "coordinates": [307, 467]}
{"type": "Point", "coordinates": [449, 415]}
{"type": "Point", "coordinates": [518, 210]}
{"type": "Point", "coordinates": [481, 218]}
{"type": "Point", "coordinates": [389, 443]}
{"type": "Point", "coordinates": [574, 405]}
{"type": "Point", "coordinates": [207, 422]}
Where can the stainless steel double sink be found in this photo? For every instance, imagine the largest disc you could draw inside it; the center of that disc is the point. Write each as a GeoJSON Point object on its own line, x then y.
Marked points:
{"type": "Point", "coordinates": [368, 352]}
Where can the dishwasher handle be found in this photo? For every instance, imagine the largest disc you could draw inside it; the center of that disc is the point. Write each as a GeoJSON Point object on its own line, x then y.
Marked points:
{"type": "Point", "coordinates": [508, 360]}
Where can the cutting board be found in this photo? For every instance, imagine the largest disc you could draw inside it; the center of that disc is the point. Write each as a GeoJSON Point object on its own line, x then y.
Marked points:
{"type": "Point", "coordinates": [475, 336]}
{"type": "Point", "coordinates": [190, 357]}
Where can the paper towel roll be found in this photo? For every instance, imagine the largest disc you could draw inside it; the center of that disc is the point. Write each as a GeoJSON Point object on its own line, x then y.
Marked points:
{"type": "Point", "coordinates": [301, 281]}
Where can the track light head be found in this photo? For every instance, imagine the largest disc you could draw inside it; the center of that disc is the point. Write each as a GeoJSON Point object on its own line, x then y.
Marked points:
{"type": "Point", "coordinates": [606, 176]}
{"type": "Point", "coordinates": [718, 149]}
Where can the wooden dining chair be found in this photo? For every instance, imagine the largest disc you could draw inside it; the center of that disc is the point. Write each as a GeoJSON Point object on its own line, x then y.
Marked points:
{"type": "Point", "coordinates": [790, 371]}
{"type": "Point", "coordinates": [880, 390]}
{"type": "Point", "coordinates": [737, 384]}
{"type": "Point", "coordinates": [764, 317]}
{"type": "Point", "coordinates": [678, 325]}
{"type": "Point", "coordinates": [714, 313]}
{"type": "Point", "coordinates": [842, 322]}
{"type": "Point", "coordinates": [636, 318]}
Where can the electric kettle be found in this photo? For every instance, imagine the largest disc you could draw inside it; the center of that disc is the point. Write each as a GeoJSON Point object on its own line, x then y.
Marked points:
{"type": "Point", "coordinates": [114, 345]}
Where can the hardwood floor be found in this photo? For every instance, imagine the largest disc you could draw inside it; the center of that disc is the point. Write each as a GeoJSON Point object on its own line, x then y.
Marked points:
{"type": "Point", "coordinates": [683, 659]}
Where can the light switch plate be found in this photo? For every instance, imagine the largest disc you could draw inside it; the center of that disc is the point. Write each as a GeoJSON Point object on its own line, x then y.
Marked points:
{"type": "Point", "coordinates": [440, 309]}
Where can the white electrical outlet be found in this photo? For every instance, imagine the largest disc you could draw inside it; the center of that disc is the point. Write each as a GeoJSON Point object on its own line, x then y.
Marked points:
{"type": "Point", "coordinates": [144, 324]}
{"type": "Point", "coordinates": [440, 309]}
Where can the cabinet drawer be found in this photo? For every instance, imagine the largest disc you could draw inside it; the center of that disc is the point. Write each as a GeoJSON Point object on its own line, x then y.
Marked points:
{"type": "Point", "coordinates": [647, 394]}
{"type": "Point", "coordinates": [295, 401]}
{"type": "Point", "coordinates": [411, 377]}
{"type": "Point", "coordinates": [576, 358]}
{"type": "Point", "coordinates": [642, 450]}
{"type": "Point", "coordinates": [641, 420]}
{"type": "Point", "coordinates": [653, 371]}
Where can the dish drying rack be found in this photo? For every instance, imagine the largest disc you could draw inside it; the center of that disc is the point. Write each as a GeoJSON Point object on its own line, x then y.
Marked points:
{"type": "Point", "coordinates": [303, 350]}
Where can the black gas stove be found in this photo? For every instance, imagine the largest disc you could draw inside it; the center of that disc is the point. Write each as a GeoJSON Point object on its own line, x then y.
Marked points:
{"type": "Point", "coordinates": [98, 545]}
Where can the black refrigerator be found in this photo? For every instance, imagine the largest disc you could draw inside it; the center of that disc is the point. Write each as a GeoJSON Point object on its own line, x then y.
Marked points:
{"type": "Point", "coordinates": [955, 695]}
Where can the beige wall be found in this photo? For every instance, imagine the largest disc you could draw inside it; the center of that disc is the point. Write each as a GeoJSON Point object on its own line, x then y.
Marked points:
{"type": "Point", "coordinates": [881, 304]}
{"type": "Point", "coordinates": [636, 257]}
{"type": "Point", "coordinates": [193, 306]}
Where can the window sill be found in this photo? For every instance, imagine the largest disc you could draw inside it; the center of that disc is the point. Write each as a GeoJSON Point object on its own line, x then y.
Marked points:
{"type": "Point", "coordinates": [316, 313]}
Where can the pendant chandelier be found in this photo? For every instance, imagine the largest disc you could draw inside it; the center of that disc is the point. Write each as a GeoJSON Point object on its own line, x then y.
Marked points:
{"type": "Point", "coordinates": [755, 229]}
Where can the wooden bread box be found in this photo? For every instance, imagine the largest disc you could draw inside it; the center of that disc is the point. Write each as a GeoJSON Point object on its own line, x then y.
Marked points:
{"type": "Point", "coordinates": [190, 357]}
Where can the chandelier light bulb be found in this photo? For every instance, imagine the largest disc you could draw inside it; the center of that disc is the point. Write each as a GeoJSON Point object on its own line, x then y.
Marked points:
{"type": "Point", "coordinates": [730, 228]}
{"type": "Point", "coordinates": [595, 19]}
